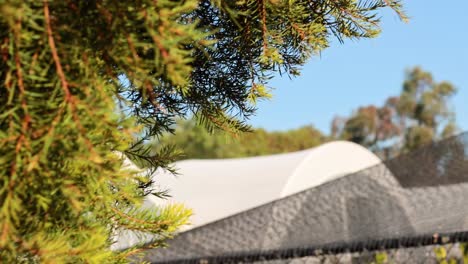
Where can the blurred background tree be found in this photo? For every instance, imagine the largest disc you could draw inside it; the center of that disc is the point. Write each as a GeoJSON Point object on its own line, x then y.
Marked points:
{"type": "Point", "coordinates": [420, 114]}
{"type": "Point", "coordinates": [196, 142]}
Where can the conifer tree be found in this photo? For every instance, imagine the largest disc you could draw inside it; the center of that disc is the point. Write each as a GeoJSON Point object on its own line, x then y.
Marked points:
{"type": "Point", "coordinates": [83, 81]}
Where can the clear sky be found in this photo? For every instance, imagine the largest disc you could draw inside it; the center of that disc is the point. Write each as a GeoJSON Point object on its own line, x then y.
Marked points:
{"type": "Point", "coordinates": [366, 72]}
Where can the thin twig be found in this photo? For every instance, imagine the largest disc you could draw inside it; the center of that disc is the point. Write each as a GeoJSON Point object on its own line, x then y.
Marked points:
{"type": "Point", "coordinates": [53, 48]}
{"type": "Point", "coordinates": [136, 220]}
{"type": "Point", "coordinates": [264, 26]}
{"type": "Point", "coordinates": [68, 96]}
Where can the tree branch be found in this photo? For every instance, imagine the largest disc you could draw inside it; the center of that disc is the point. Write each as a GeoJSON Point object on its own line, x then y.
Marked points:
{"type": "Point", "coordinates": [53, 48]}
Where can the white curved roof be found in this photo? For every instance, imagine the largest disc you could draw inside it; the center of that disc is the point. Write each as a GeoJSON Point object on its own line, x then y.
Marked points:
{"type": "Point", "coordinates": [215, 189]}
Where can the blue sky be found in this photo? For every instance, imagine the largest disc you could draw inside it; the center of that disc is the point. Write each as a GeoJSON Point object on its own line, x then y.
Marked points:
{"type": "Point", "coordinates": [364, 72]}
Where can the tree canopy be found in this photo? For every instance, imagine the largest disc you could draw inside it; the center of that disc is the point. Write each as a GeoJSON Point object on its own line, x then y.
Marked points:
{"type": "Point", "coordinates": [420, 114]}
{"type": "Point", "coordinates": [196, 142]}
{"type": "Point", "coordinates": [83, 81]}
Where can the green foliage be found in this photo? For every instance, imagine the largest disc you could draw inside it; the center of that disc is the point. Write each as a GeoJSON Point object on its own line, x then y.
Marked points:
{"type": "Point", "coordinates": [418, 116]}
{"type": "Point", "coordinates": [442, 257]}
{"type": "Point", "coordinates": [196, 142]}
{"type": "Point", "coordinates": [82, 81]}
{"type": "Point", "coordinates": [381, 258]}
{"type": "Point", "coordinates": [441, 254]}
{"type": "Point", "coordinates": [464, 250]}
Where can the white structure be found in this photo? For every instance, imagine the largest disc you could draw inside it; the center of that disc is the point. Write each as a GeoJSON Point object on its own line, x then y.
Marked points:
{"type": "Point", "coordinates": [215, 189]}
